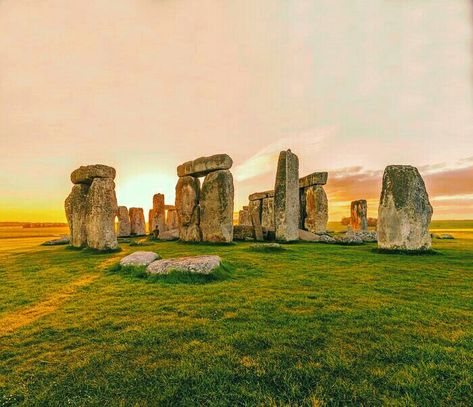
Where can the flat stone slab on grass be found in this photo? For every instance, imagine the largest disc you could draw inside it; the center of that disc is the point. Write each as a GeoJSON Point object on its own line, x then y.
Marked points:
{"type": "Point", "coordinates": [57, 242]}
{"type": "Point", "coordinates": [190, 264]}
{"type": "Point", "coordinates": [139, 258]}
{"type": "Point", "coordinates": [307, 236]}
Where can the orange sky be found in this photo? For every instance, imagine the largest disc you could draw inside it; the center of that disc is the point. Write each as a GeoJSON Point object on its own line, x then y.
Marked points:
{"type": "Point", "coordinates": [349, 85]}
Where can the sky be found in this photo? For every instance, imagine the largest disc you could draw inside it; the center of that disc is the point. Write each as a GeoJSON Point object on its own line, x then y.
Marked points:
{"type": "Point", "coordinates": [350, 86]}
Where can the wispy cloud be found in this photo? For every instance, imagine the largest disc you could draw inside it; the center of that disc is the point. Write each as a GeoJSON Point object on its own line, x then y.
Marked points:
{"type": "Point", "coordinates": [262, 162]}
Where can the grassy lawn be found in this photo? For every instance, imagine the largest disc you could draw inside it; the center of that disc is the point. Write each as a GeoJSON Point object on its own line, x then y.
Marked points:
{"type": "Point", "coordinates": [311, 325]}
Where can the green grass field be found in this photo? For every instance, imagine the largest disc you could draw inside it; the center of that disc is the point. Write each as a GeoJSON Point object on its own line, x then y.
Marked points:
{"type": "Point", "coordinates": [311, 325]}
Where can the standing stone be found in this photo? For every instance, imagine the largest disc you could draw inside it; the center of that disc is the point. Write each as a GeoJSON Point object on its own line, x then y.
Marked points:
{"type": "Point", "coordinates": [259, 236]}
{"type": "Point", "coordinates": [244, 217]}
{"type": "Point", "coordinates": [152, 221]}
{"type": "Point", "coordinates": [159, 212]}
{"type": "Point", "coordinates": [286, 197]}
{"type": "Point", "coordinates": [76, 214]}
{"type": "Point", "coordinates": [359, 215]}
{"type": "Point", "coordinates": [216, 205]}
{"type": "Point", "coordinates": [101, 211]}
{"type": "Point", "coordinates": [124, 227]}
{"type": "Point", "coordinates": [255, 208]}
{"type": "Point", "coordinates": [315, 209]}
{"type": "Point", "coordinates": [137, 222]}
{"type": "Point", "coordinates": [267, 213]}
{"type": "Point", "coordinates": [188, 210]}
{"type": "Point", "coordinates": [404, 212]}
{"type": "Point", "coordinates": [171, 219]}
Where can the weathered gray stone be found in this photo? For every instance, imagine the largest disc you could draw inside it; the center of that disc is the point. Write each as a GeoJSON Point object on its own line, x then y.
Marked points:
{"type": "Point", "coordinates": [205, 165]}
{"type": "Point", "coordinates": [286, 197]}
{"type": "Point", "coordinates": [350, 238]}
{"type": "Point", "coordinates": [307, 236]}
{"type": "Point", "coordinates": [159, 213]}
{"type": "Point", "coordinates": [315, 209]}
{"type": "Point", "coordinates": [171, 219]}
{"type": "Point", "coordinates": [191, 264]}
{"type": "Point", "coordinates": [267, 213]}
{"type": "Point", "coordinates": [255, 220]}
{"type": "Point", "coordinates": [57, 242]}
{"type": "Point", "coordinates": [152, 221]}
{"type": "Point", "coordinates": [124, 227]}
{"type": "Point", "coordinates": [139, 258]}
{"type": "Point", "coordinates": [101, 211]}
{"type": "Point", "coordinates": [137, 222]}
{"type": "Point", "coordinates": [243, 232]}
{"type": "Point", "coordinates": [168, 235]}
{"type": "Point", "coordinates": [86, 174]}
{"type": "Point", "coordinates": [188, 210]}
{"type": "Point", "coordinates": [359, 215]}
{"type": "Point", "coordinates": [76, 214]}
{"type": "Point", "coordinates": [261, 195]}
{"type": "Point", "coordinates": [366, 236]}
{"type": "Point", "coordinates": [244, 217]}
{"type": "Point", "coordinates": [216, 207]}
{"type": "Point", "coordinates": [255, 208]}
{"type": "Point", "coordinates": [316, 178]}
{"type": "Point", "coordinates": [404, 211]}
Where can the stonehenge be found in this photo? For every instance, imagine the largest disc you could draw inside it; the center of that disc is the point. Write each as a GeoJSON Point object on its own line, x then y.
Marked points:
{"type": "Point", "coordinates": [359, 215]}
{"type": "Point", "coordinates": [296, 209]}
{"type": "Point", "coordinates": [91, 208]}
{"type": "Point", "coordinates": [137, 222]}
{"type": "Point", "coordinates": [404, 211]}
{"type": "Point", "coordinates": [286, 197]}
{"type": "Point", "coordinates": [205, 213]}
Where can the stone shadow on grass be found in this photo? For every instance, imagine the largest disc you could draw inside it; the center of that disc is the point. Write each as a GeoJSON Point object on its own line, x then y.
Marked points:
{"type": "Point", "coordinates": [88, 250]}
{"type": "Point", "coordinates": [429, 252]}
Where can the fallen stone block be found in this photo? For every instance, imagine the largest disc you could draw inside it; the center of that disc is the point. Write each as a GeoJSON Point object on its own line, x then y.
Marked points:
{"type": "Point", "coordinates": [139, 258]}
{"type": "Point", "coordinates": [307, 236]}
{"type": "Point", "coordinates": [191, 264]}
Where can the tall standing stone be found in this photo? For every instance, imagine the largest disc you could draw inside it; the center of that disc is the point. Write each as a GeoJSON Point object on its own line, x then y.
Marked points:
{"type": "Point", "coordinates": [216, 203]}
{"type": "Point", "coordinates": [76, 214]}
{"type": "Point", "coordinates": [188, 210]}
{"type": "Point", "coordinates": [91, 207]}
{"type": "Point", "coordinates": [315, 204]}
{"type": "Point", "coordinates": [359, 215]}
{"type": "Point", "coordinates": [404, 211]}
{"type": "Point", "coordinates": [244, 217]}
{"type": "Point", "coordinates": [124, 227]}
{"type": "Point", "coordinates": [286, 197]}
{"type": "Point", "coordinates": [159, 212]}
{"type": "Point", "coordinates": [171, 219]}
{"type": "Point", "coordinates": [101, 211]}
{"type": "Point", "coordinates": [267, 213]}
{"type": "Point", "coordinates": [137, 222]}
